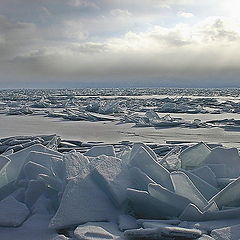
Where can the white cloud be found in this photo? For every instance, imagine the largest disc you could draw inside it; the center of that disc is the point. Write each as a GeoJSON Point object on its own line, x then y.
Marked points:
{"type": "Point", "coordinates": [185, 14]}
{"type": "Point", "coordinates": [124, 13]}
{"type": "Point", "coordinates": [82, 3]}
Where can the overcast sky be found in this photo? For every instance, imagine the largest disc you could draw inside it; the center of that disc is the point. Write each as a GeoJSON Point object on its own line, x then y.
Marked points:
{"type": "Point", "coordinates": [119, 43]}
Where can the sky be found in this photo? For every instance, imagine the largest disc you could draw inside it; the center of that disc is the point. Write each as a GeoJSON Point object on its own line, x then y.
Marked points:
{"type": "Point", "coordinates": [119, 43]}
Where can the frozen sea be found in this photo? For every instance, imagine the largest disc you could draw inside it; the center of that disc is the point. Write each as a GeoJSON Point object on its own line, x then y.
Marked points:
{"type": "Point", "coordinates": [114, 131]}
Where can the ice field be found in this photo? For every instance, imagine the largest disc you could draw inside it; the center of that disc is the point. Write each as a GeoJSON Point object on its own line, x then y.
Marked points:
{"type": "Point", "coordinates": [124, 164]}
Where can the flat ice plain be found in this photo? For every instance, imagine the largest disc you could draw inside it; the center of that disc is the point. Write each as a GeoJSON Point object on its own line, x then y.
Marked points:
{"type": "Point", "coordinates": [120, 164]}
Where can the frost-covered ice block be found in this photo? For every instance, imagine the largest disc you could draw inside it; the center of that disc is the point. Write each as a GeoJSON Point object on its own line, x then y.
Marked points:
{"type": "Point", "coordinates": [205, 237]}
{"type": "Point", "coordinates": [82, 202]}
{"type": "Point", "coordinates": [136, 147]}
{"type": "Point", "coordinates": [162, 232]}
{"type": "Point", "coordinates": [13, 212]}
{"type": "Point", "coordinates": [101, 150]}
{"type": "Point", "coordinates": [18, 159]}
{"type": "Point", "coordinates": [172, 203]}
{"type": "Point", "coordinates": [194, 156]}
{"type": "Point", "coordinates": [32, 170]}
{"type": "Point", "coordinates": [146, 163]}
{"type": "Point", "coordinates": [97, 231]}
{"type": "Point", "coordinates": [34, 190]}
{"type": "Point", "coordinates": [227, 233]}
{"type": "Point", "coordinates": [207, 190]}
{"type": "Point", "coordinates": [113, 178]}
{"type": "Point", "coordinates": [140, 180]}
{"type": "Point", "coordinates": [228, 156]}
{"type": "Point", "coordinates": [228, 196]}
{"type": "Point", "coordinates": [206, 174]}
{"type": "Point", "coordinates": [183, 186]}
{"type": "Point", "coordinates": [3, 161]}
{"type": "Point", "coordinates": [126, 222]}
{"type": "Point", "coordinates": [152, 207]}
{"type": "Point", "coordinates": [76, 165]}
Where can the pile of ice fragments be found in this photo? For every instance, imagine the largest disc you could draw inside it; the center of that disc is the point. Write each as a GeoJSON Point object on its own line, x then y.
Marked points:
{"type": "Point", "coordinates": [128, 194]}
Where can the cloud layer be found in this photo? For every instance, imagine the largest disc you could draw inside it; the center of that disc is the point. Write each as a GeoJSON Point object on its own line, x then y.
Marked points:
{"type": "Point", "coordinates": [117, 43]}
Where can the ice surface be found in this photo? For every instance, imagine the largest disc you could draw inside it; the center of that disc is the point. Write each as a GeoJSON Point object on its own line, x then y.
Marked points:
{"type": "Point", "coordinates": [33, 192]}
{"type": "Point", "coordinates": [146, 163]}
{"type": "Point", "coordinates": [183, 186]}
{"type": "Point", "coordinates": [32, 170]}
{"type": "Point", "coordinates": [13, 212]}
{"type": "Point", "coordinates": [139, 179]}
{"type": "Point", "coordinates": [227, 233]}
{"type": "Point", "coordinates": [228, 196]}
{"type": "Point", "coordinates": [126, 222]}
{"type": "Point", "coordinates": [113, 177]}
{"type": "Point", "coordinates": [207, 190]}
{"type": "Point", "coordinates": [162, 232]}
{"type": "Point", "coordinates": [136, 147]}
{"type": "Point", "coordinates": [194, 156]}
{"type": "Point", "coordinates": [206, 174]}
{"type": "Point", "coordinates": [76, 165]}
{"type": "Point", "coordinates": [101, 150]}
{"type": "Point", "coordinates": [83, 202]}
{"type": "Point", "coordinates": [153, 208]}
{"type": "Point", "coordinates": [172, 204]}
{"type": "Point", "coordinates": [97, 231]}
{"type": "Point", "coordinates": [19, 158]}
{"type": "Point", "coordinates": [3, 161]}
{"type": "Point", "coordinates": [35, 227]}
{"type": "Point", "coordinates": [228, 156]}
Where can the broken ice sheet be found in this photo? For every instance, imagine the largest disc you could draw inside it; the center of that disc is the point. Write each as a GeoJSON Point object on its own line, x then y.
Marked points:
{"type": "Point", "coordinates": [194, 156]}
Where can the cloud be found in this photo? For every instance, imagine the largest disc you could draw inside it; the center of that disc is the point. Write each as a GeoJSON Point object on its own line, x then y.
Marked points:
{"type": "Point", "coordinates": [83, 4]}
{"type": "Point", "coordinates": [180, 52]}
{"type": "Point", "coordinates": [185, 14]}
{"type": "Point", "coordinates": [120, 13]}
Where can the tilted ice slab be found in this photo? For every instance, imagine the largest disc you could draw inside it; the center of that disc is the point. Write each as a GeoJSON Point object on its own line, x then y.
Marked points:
{"type": "Point", "coordinates": [13, 212]}
{"type": "Point", "coordinates": [206, 174]}
{"type": "Point", "coordinates": [136, 148]}
{"type": "Point", "coordinates": [172, 203]}
{"type": "Point", "coordinates": [194, 156]}
{"type": "Point", "coordinates": [82, 202]}
{"type": "Point", "coordinates": [139, 179]}
{"type": "Point", "coordinates": [113, 178]}
{"type": "Point", "coordinates": [207, 190]}
{"type": "Point", "coordinates": [183, 186]}
{"type": "Point", "coordinates": [101, 150]}
{"type": "Point", "coordinates": [146, 163]}
{"type": "Point", "coordinates": [228, 156]}
{"type": "Point", "coordinates": [192, 213]}
{"type": "Point", "coordinates": [228, 196]}
{"type": "Point", "coordinates": [153, 208]}
{"type": "Point", "coordinates": [19, 158]}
